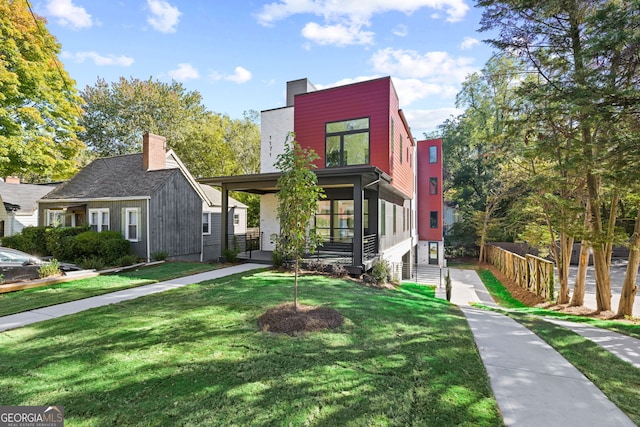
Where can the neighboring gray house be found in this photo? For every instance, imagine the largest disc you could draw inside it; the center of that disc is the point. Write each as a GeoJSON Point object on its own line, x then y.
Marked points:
{"type": "Point", "coordinates": [19, 205]}
{"type": "Point", "coordinates": [211, 217]}
{"type": "Point", "coordinates": [151, 198]}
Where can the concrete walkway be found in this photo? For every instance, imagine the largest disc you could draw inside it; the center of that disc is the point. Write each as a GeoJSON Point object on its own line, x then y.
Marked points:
{"type": "Point", "coordinates": [28, 317]}
{"type": "Point", "coordinates": [533, 384]}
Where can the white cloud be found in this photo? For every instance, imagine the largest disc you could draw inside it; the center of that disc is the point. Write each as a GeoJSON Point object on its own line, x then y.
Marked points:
{"type": "Point", "coordinates": [69, 14]}
{"type": "Point", "coordinates": [412, 90]}
{"type": "Point", "coordinates": [401, 31]}
{"type": "Point", "coordinates": [164, 17]}
{"type": "Point", "coordinates": [468, 43]}
{"type": "Point", "coordinates": [100, 60]}
{"type": "Point", "coordinates": [436, 66]}
{"type": "Point", "coordinates": [338, 34]}
{"type": "Point", "coordinates": [240, 75]}
{"type": "Point", "coordinates": [454, 10]}
{"type": "Point", "coordinates": [428, 120]}
{"type": "Point", "coordinates": [184, 72]}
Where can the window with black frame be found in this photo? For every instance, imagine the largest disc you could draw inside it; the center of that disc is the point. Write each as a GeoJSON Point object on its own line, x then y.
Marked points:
{"type": "Point", "coordinates": [347, 143]}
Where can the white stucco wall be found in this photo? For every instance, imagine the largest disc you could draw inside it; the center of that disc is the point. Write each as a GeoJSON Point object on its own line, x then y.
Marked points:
{"type": "Point", "coordinates": [423, 253]}
{"type": "Point", "coordinates": [394, 256]}
{"type": "Point", "coordinates": [275, 126]}
{"type": "Point", "coordinates": [268, 220]}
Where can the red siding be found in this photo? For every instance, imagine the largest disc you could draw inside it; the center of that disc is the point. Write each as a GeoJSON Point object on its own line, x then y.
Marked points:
{"type": "Point", "coordinates": [375, 99]}
{"type": "Point", "coordinates": [428, 203]}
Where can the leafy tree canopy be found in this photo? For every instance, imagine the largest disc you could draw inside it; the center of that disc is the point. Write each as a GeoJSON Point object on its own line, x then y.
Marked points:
{"type": "Point", "coordinates": [39, 105]}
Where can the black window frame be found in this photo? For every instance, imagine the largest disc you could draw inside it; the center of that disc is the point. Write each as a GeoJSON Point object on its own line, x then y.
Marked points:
{"type": "Point", "coordinates": [341, 135]}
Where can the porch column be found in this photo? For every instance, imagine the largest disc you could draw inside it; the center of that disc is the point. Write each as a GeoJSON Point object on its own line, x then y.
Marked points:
{"type": "Point", "coordinates": [358, 195]}
{"type": "Point", "coordinates": [224, 222]}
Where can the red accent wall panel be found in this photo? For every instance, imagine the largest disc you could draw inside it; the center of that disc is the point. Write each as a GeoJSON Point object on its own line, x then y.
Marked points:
{"type": "Point", "coordinates": [375, 99]}
{"type": "Point", "coordinates": [428, 202]}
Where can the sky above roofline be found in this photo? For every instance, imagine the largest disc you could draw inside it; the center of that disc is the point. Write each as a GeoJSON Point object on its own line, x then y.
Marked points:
{"type": "Point", "coordinates": [240, 54]}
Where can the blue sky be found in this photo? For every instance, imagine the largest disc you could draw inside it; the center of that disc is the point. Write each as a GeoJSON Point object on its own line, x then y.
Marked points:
{"type": "Point", "coordinates": [240, 54]}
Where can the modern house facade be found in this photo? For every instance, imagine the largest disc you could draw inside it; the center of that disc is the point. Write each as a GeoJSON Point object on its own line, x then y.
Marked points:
{"type": "Point", "coordinates": [150, 197]}
{"type": "Point", "coordinates": [367, 167]}
{"type": "Point", "coordinates": [430, 203]}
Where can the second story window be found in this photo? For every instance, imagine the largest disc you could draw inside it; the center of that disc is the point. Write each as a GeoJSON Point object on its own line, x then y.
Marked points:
{"type": "Point", "coordinates": [347, 143]}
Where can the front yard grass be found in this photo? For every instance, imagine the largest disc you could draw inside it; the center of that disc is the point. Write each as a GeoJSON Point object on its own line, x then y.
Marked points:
{"type": "Point", "coordinates": [30, 299]}
{"type": "Point", "coordinates": [195, 356]}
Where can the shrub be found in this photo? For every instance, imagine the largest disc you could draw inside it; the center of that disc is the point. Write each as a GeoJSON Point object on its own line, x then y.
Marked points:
{"type": "Point", "coordinates": [1, 278]}
{"type": "Point", "coordinates": [381, 271]}
{"type": "Point", "coordinates": [60, 242]}
{"type": "Point", "coordinates": [277, 258]}
{"type": "Point", "coordinates": [126, 260]}
{"type": "Point", "coordinates": [106, 245]}
{"type": "Point", "coordinates": [338, 270]}
{"type": "Point", "coordinates": [316, 265]}
{"type": "Point", "coordinates": [230, 255]}
{"type": "Point", "coordinates": [15, 242]}
{"type": "Point", "coordinates": [159, 255]}
{"type": "Point", "coordinates": [50, 269]}
{"type": "Point", "coordinates": [34, 241]}
{"type": "Point", "coordinates": [92, 263]}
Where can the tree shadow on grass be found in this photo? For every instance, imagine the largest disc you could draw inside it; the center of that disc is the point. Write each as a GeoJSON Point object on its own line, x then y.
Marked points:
{"type": "Point", "coordinates": [196, 356]}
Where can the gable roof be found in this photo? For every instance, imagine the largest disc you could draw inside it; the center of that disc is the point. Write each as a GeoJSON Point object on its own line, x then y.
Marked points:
{"type": "Point", "coordinates": [24, 196]}
{"type": "Point", "coordinates": [215, 196]}
{"type": "Point", "coordinates": [112, 177]}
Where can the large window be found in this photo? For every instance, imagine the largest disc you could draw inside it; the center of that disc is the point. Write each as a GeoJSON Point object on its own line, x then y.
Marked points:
{"type": "Point", "coordinates": [99, 219]}
{"type": "Point", "coordinates": [347, 143]}
{"type": "Point", "coordinates": [132, 224]}
{"type": "Point", "coordinates": [335, 219]}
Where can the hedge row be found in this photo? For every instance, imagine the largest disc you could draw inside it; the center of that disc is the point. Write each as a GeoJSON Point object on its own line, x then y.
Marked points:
{"type": "Point", "coordinates": [71, 244]}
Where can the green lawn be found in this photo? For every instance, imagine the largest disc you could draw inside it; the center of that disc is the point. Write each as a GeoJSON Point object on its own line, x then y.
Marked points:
{"type": "Point", "coordinates": [29, 299]}
{"type": "Point", "coordinates": [195, 356]}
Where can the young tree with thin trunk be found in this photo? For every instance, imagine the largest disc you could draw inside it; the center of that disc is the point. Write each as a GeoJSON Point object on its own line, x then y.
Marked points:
{"type": "Point", "coordinates": [298, 195]}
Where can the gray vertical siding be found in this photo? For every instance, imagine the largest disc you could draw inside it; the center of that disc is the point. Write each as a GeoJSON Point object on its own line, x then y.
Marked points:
{"type": "Point", "coordinates": [176, 219]}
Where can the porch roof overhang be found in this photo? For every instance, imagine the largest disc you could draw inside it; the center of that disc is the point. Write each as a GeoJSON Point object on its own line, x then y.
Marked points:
{"type": "Point", "coordinates": [265, 183]}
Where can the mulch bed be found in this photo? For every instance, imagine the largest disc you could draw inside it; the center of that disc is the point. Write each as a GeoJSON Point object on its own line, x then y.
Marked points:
{"type": "Point", "coordinates": [284, 319]}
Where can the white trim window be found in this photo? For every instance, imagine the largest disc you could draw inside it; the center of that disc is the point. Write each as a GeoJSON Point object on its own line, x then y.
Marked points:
{"type": "Point", "coordinates": [132, 224]}
{"type": "Point", "coordinates": [236, 219]}
{"type": "Point", "coordinates": [99, 219]}
{"type": "Point", "coordinates": [206, 223]}
{"type": "Point", "coordinates": [55, 217]}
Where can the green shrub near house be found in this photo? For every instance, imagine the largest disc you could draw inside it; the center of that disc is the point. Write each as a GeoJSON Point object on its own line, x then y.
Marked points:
{"type": "Point", "coordinates": [79, 245]}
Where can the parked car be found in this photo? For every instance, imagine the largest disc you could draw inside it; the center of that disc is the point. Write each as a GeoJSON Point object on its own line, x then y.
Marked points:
{"type": "Point", "coordinates": [17, 265]}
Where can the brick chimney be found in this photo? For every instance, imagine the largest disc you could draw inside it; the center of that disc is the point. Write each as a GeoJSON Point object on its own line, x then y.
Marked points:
{"type": "Point", "coordinates": [12, 180]}
{"type": "Point", "coordinates": [153, 152]}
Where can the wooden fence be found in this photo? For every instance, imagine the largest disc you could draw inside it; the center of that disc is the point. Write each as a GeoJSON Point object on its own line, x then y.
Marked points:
{"type": "Point", "coordinates": [530, 272]}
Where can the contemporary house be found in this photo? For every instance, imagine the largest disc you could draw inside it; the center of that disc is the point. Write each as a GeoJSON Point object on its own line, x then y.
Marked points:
{"type": "Point", "coordinates": [150, 197]}
{"type": "Point", "coordinates": [430, 203]}
{"type": "Point", "coordinates": [367, 167]}
{"type": "Point", "coordinates": [19, 204]}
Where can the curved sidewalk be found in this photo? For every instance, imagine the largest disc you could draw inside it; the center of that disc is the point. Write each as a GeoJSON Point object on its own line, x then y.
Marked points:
{"type": "Point", "coordinates": [28, 317]}
{"type": "Point", "coordinates": [533, 384]}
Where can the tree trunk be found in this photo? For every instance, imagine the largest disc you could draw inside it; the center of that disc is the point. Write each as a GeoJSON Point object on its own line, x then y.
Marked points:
{"type": "Point", "coordinates": [629, 287]}
{"type": "Point", "coordinates": [483, 235]}
{"type": "Point", "coordinates": [613, 212]}
{"type": "Point", "coordinates": [603, 283]}
{"type": "Point", "coordinates": [562, 257]}
{"type": "Point", "coordinates": [295, 287]}
{"type": "Point", "coordinates": [577, 299]}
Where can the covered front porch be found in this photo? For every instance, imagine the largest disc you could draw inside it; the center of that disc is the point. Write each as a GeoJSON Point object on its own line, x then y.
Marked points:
{"type": "Point", "coordinates": [347, 219]}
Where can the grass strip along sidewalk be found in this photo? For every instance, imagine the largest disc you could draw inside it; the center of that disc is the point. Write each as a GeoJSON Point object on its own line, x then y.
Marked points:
{"type": "Point", "coordinates": [195, 356]}
{"type": "Point", "coordinates": [30, 299]}
{"type": "Point", "coordinates": [618, 380]}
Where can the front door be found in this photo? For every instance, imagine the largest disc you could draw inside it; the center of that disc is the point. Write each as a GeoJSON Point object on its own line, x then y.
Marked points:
{"type": "Point", "coordinates": [433, 253]}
